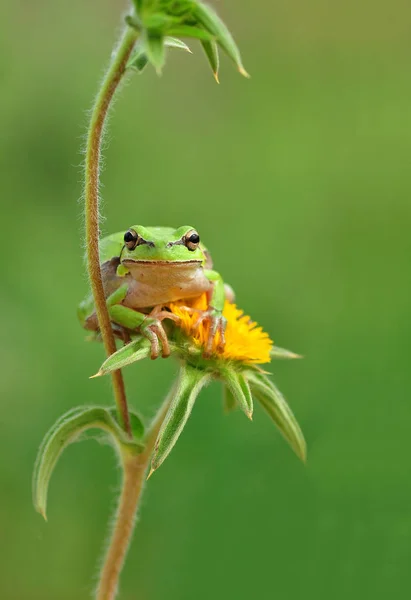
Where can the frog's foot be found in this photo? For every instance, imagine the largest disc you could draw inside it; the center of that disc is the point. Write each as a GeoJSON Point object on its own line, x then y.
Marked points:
{"type": "Point", "coordinates": [217, 324]}
{"type": "Point", "coordinates": [152, 328]}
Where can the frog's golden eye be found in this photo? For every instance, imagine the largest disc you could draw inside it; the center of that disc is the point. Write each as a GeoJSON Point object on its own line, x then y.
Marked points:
{"type": "Point", "coordinates": [130, 239]}
{"type": "Point", "coordinates": [192, 240]}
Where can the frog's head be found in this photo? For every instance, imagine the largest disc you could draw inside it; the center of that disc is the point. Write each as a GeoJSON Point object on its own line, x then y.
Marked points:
{"type": "Point", "coordinates": [161, 245]}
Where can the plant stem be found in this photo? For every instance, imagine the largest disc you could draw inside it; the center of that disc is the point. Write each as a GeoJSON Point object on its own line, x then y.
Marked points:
{"type": "Point", "coordinates": [101, 106]}
{"type": "Point", "coordinates": [134, 474]}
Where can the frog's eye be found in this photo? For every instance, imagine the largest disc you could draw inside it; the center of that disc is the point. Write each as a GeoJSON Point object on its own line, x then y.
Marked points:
{"type": "Point", "coordinates": [130, 239]}
{"type": "Point", "coordinates": [192, 240]}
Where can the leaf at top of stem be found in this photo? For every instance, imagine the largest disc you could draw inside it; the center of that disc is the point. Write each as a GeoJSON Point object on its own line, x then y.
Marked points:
{"type": "Point", "coordinates": [64, 432]}
{"type": "Point", "coordinates": [239, 388]}
{"type": "Point", "coordinates": [210, 20]}
{"type": "Point", "coordinates": [190, 32]}
{"type": "Point", "coordinates": [211, 50]}
{"type": "Point", "coordinates": [132, 352]}
{"type": "Point", "coordinates": [159, 23]}
{"type": "Point", "coordinates": [277, 352]}
{"type": "Point", "coordinates": [229, 401]}
{"type": "Point", "coordinates": [277, 407]}
{"type": "Point", "coordinates": [186, 390]}
{"type": "Point", "coordinates": [173, 42]}
{"type": "Point", "coordinates": [156, 52]}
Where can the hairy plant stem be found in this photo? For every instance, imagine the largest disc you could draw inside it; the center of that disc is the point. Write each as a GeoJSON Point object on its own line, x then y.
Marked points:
{"type": "Point", "coordinates": [134, 473]}
{"type": "Point", "coordinates": [100, 110]}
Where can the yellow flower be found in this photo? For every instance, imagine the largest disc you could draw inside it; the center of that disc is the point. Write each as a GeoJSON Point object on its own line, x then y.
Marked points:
{"type": "Point", "coordinates": [245, 340]}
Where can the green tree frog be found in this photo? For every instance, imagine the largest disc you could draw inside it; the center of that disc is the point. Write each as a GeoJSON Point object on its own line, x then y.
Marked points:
{"type": "Point", "coordinates": [143, 270]}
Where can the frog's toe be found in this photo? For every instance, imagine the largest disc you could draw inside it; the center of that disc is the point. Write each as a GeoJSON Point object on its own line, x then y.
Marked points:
{"type": "Point", "coordinates": [221, 329]}
{"type": "Point", "coordinates": [218, 325]}
{"type": "Point", "coordinates": [154, 331]}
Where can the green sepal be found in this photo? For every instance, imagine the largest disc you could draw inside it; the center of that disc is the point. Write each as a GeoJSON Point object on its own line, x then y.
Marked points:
{"type": "Point", "coordinates": [277, 352]}
{"type": "Point", "coordinates": [187, 388]}
{"type": "Point", "coordinates": [229, 402]}
{"type": "Point", "coordinates": [277, 407]}
{"type": "Point", "coordinates": [156, 51]}
{"type": "Point", "coordinates": [173, 42]}
{"type": "Point", "coordinates": [212, 23]}
{"type": "Point", "coordinates": [64, 432]}
{"type": "Point", "coordinates": [211, 50]}
{"type": "Point", "coordinates": [132, 352]}
{"type": "Point", "coordinates": [138, 61]}
{"type": "Point", "coordinates": [159, 23]}
{"type": "Point", "coordinates": [240, 389]}
{"type": "Point", "coordinates": [190, 32]}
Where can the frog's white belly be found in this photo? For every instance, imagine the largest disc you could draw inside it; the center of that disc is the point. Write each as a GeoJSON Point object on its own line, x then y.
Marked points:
{"type": "Point", "coordinates": [152, 284]}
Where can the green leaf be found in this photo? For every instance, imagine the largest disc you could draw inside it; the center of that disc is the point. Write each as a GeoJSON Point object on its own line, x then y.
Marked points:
{"type": "Point", "coordinates": [187, 388]}
{"type": "Point", "coordinates": [159, 23]}
{"type": "Point", "coordinates": [277, 352]}
{"type": "Point", "coordinates": [134, 351]}
{"type": "Point", "coordinates": [212, 23]}
{"type": "Point", "coordinates": [240, 389]}
{"type": "Point", "coordinates": [190, 32]}
{"type": "Point", "coordinates": [276, 406]}
{"type": "Point", "coordinates": [211, 50]}
{"type": "Point", "coordinates": [229, 402]}
{"type": "Point", "coordinates": [155, 51]}
{"type": "Point", "coordinates": [64, 432]}
{"type": "Point", "coordinates": [173, 42]}
{"type": "Point", "coordinates": [136, 422]}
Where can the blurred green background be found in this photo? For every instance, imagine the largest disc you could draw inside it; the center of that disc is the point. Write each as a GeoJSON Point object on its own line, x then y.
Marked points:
{"type": "Point", "coordinates": [299, 181]}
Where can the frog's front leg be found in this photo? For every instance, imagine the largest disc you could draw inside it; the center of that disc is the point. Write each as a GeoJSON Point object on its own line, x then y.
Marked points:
{"type": "Point", "coordinates": [214, 313]}
{"type": "Point", "coordinates": [149, 325]}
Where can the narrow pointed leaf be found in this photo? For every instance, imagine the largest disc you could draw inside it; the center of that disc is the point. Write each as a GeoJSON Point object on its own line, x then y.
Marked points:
{"type": "Point", "coordinates": [64, 432]}
{"type": "Point", "coordinates": [173, 42]}
{"type": "Point", "coordinates": [190, 32]}
{"type": "Point", "coordinates": [127, 355]}
{"type": "Point", "coordinates": [156, 51]}
{"type": "Point", "coordinates": [277, 407]}
{"type": "Point", "coordinates": [240, 389]}
{"type": "Point", "coordinates": [211, 50]}
{"type": "Point", "coordinates": [212, 22]}
{"type": "Point", "coordinates": [185, 393]}
{"type": "Point", "coordinates": [277, 352]}
{"type": "Point", "coordinates": [229, 402]}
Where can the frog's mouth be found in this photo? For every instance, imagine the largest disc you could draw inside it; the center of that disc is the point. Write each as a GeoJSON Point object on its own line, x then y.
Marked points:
{"type": "Point", "coordinates": [129, 262]}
